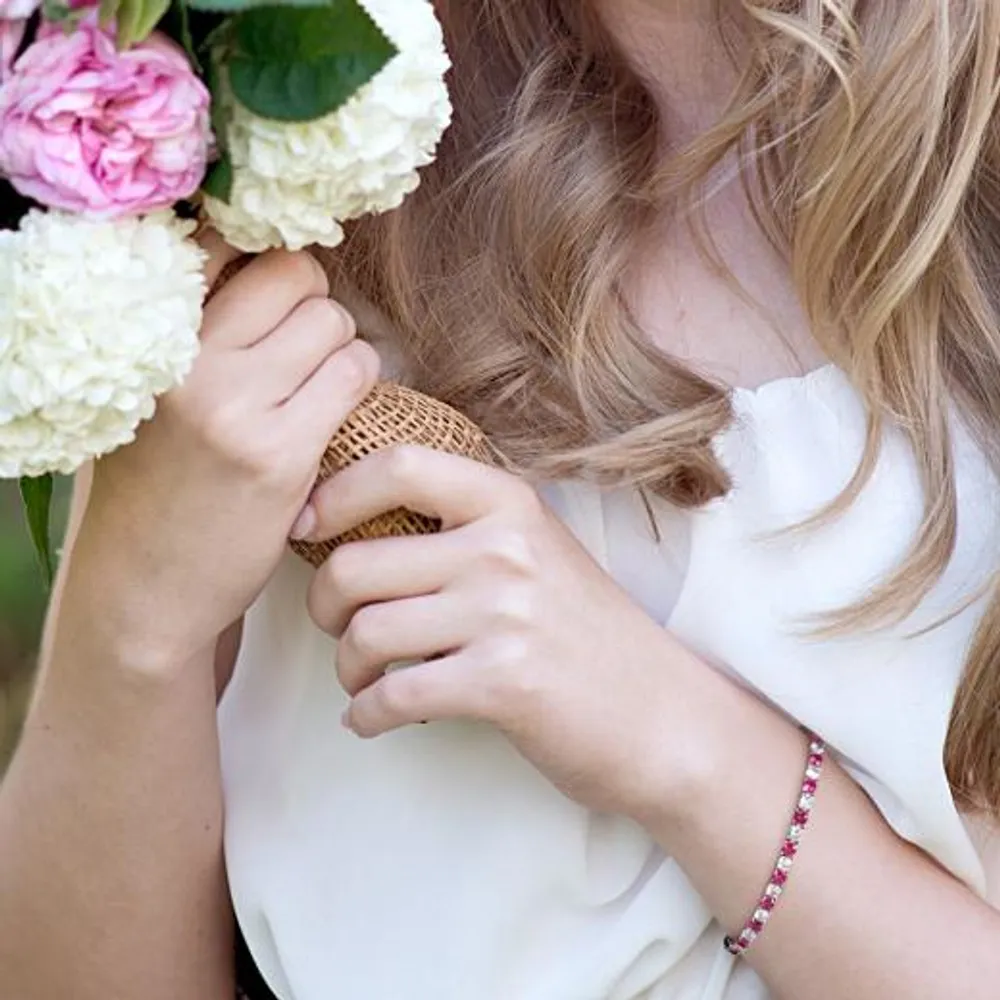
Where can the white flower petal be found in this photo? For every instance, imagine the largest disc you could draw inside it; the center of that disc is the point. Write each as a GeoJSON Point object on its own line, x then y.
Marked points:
{"type": "Point", "coordinates": [96, 319]}
{"type": "Point", "coordinates": [294, 183]}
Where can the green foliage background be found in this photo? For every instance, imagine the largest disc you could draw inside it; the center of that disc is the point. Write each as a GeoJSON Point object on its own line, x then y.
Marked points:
{"type": "Point", "coordinates": [22, 607]}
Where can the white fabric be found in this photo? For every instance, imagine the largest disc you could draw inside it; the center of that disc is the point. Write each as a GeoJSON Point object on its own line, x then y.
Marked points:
{"type": "Point", "coordinates": [436, 863]}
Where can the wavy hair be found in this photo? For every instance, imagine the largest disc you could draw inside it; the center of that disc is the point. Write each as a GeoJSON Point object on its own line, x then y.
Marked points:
{"type": "Point", "coordinates": [874, 139]}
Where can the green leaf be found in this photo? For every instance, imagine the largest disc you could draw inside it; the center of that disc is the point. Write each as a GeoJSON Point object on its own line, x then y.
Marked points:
{"type": "Point", "coordinates": [153, 11]}
{"type": "Point", "coordinates": [300, 64]}
{"type": "Point", "coordinates": [36, 494]}
{"type": "Point", "coordinates": [178, 26]}
{"type": "Point", "coordinates": [219, 181]}
{"type": "Point", "coordinates": [136, 19]}
{"type": "Point", "coordinates": [221, 109]}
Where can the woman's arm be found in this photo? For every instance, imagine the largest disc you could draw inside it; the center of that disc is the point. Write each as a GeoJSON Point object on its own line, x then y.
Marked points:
{"type": "Point", "coordinates": [111, 876]}
{"type": "Point", "coordinates": [865, 915]}
{"type": "Point", "coordinates": [622, 718]}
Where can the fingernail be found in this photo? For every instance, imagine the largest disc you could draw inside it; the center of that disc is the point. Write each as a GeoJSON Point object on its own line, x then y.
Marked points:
{"type": "Point", "coordinates": [304, 527]}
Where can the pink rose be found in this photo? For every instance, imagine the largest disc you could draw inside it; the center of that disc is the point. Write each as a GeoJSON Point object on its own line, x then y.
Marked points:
{"type": "Point", "coordinates": [11, 33]}
{"type": "Point", "coordinates": [89, 129]}
{"type": "Point", "coordinates": [17, 10]}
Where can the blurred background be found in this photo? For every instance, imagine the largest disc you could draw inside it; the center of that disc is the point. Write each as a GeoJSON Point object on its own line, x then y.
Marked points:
{"type": "Point", "coordinates": [22, 605]}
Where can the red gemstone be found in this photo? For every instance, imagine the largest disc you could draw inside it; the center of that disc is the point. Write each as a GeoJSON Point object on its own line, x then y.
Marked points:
{"type": "Point", "coordinates": [756, 926]}
{"type": "Point", "coordinates": [800, 817]}
{"type": "Point", "coordinates": [778, 877]}
{"type": "Point", "coordinates": [809, 786]}
{"type": "Point", "coordinates": [767, 903]}
{"type": "Point", "coordinates": [789, 849]}
{"type": "Point", "coordinates": [815, 760]}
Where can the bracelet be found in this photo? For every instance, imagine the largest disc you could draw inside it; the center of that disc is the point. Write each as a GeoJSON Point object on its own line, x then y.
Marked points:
{"type": "Point", "coordinates": [786, 856]}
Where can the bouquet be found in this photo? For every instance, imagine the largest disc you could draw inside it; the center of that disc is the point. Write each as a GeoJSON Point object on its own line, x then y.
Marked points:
{"type": "Point", "coordinates": [123, 124]}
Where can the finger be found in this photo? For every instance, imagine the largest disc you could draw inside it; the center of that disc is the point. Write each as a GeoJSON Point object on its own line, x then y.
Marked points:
{"type": "Point", "coordinates": [300, 344]}
{"type": "Point", "coordinates": [380, 635]}
{"type": "Point", "coordinates": [384, 569]}
{"type": "Point", "coordinates": [454, 489]}
{"type": "Point", "coordinates": [267, 290]}
{"type": "Point", "coordinates": [327, 398]}
{"type": "Point", "coordinates": [220, 255]}
{"type": "Point", "coordinates": [447, 688]}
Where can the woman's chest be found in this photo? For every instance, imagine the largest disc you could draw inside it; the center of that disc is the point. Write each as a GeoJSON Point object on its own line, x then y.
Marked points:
{"type": "Point", "coordinates": [737, 318]}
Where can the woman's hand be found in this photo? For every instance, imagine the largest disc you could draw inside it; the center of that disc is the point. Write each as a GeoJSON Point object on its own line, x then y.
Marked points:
{"type": "Point", "coordinates": [514, 622]}
{"type": "Point", "coordinates": [184, 527]}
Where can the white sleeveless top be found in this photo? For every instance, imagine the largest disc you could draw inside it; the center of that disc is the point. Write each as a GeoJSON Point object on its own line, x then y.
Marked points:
{"type": "Point", "coordinates": [436, 864]}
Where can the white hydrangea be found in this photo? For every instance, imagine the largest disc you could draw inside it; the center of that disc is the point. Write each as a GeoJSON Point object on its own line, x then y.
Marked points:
{"type": "Point", "coordinates": [294, 183]}
{"type": "Point", "coordinates": [96, 319]}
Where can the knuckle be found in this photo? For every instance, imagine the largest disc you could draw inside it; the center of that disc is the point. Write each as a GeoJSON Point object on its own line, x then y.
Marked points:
{"type": "Point", "coordinates": [267, 460]}
{"type": "Point", "coordinates": [345, 327]}
{"type": "Point", "coordinates": [511, 686]}
{"type": "Point", "coordinates": [338, 571]}
{"type": "Point", "coordinates": [505, 548]}
{"type": "Point", "coordinates": [227, 429]}
{"type": "Point", "coordinates": [271, 459]}
{"type": "Point", "coordinates": [504, 656]}
{"type": "Point", "coordinates": [352, 372]}
{"type": "Point", "coordinates": [223, 426]}
{"type": "Point", "coordinates": [364, 634]}
{"type": "Point", "coordinates": [402, 463]}
{"type": "Point", "coordinates": [367, 357]}
{"type": "Point", "coordinates": [316, 311]}
{"type": "Point", "coordinates": [329, 317]}
{"type": "Point", "coordinates": [395, 694]}
{"type": "Point", "coordinates": [300, 272]}
{"type": "Point", "coordinates": [514, 606]}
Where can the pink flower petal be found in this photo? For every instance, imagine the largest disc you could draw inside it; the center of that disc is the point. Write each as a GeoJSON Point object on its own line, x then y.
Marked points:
{"type": "Point", "coordinates": [89, 129]}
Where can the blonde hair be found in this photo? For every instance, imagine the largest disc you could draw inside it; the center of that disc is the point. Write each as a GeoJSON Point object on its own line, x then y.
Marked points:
{"type": "Point", "coordinates": [872, 129]}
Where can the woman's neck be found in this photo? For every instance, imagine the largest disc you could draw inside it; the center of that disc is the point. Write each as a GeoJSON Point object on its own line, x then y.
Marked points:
{"type": "Point", "coordinates": [746, 328]}
{"type": "Point", "coordinates": [679, 48]}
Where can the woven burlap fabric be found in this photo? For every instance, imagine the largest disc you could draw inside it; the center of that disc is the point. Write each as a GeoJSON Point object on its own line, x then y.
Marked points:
{"type": "Point", "coordinates": [391, 414]}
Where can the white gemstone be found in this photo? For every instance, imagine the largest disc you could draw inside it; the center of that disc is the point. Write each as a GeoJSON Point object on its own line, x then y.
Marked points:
{"type": "Point", "coordinates": [795, 832]}
{"type": "Point", "coordinates": [762, 916]}
{"type": "Point", "coordinates": [812, 773]}
{"type": "Point", "coordinates": [774, 890]}
{"type": "Point", "coordinates": [806, 802]}
{"type": "Point", "coordinates": [784, 863]}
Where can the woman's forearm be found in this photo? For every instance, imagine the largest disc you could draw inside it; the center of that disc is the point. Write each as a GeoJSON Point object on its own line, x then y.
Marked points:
{"type": "Point", "coordinates": [111, 877]}
{"type": "Point", "coordinates": [865, 915]}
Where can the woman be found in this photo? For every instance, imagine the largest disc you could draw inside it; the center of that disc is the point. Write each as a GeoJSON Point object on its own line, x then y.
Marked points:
{"type": "Point", "coordinates": [722, 280]}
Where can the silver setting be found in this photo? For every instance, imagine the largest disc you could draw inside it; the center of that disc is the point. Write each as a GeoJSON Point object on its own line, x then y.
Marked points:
{"type": "Point", "coordinates": [773, 891]}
